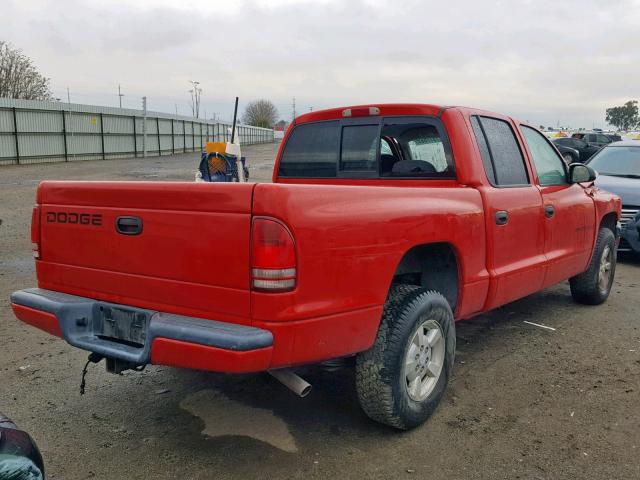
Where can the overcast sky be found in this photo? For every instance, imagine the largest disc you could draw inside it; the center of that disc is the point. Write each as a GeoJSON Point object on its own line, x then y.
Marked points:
{"type": "Point", "coordinates": [542, 61]}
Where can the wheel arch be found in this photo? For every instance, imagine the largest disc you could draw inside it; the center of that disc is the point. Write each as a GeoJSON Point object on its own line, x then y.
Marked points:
{"type": "Point", "coordinates": [609, 221]}
{"type": "Point", "coordinates": [433, 266]}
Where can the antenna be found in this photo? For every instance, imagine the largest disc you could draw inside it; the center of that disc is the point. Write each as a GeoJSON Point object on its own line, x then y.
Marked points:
{"type": "Point", "coordinates": [293, 107]}
{"type": "Point", "coordinates": [235, 115]}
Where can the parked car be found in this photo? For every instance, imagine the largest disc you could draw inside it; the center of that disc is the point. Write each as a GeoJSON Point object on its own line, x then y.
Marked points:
{"type": "Point", "coordinates": [19, 454]}
{"type": "Point", "coordinates": [584, 149]}
{"type": "Point", "coordinates": [570, 155]}
{"type": "Point", "coordinates": [595, 139]}
{"type": "Point", "coordinates": [618, 167]}
{"type": "Point", "coordinates": [383, 225]}
{"type": "Point", "coordinates": [614, 137]}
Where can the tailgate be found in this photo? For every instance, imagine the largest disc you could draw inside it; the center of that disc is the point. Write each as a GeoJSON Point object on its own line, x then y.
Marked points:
{"type": "Point", "coordinates": [191, 255]}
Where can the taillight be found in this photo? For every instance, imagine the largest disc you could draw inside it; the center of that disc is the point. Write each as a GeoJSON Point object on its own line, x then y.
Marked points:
{"type": "Point", "coordinates": [361, 112]}
{"type": "Point", "coordinates": [273, 256]}
{"type": "Point", "coordinates": [35, 231]}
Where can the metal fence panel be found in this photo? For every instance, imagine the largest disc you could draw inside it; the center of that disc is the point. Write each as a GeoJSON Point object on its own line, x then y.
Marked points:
{"type": "Point", "coordinates": [117, 145]}
{"type": "Point", "coordinates": [6, 121]}
{"type": "Point", "coordinates": [38, 132]}
{"type": "Point", "coordinates": [117, 124]}
{"type": "Point", "coordinates": [30, 121]}
{"type": "Point", "coordinates": [83, 123]}
{"type": "Point", "coordinates": [8, 147]}
{"type": "Point", "coordinates": [80, 145]}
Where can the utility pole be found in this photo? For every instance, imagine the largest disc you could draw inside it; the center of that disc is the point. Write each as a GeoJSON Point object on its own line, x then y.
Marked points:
{"type": "Point", "coordinates": [69, 104]}
{"type": "Point", "coordinates": [195, 98]}
{"type": "Point", "coordinates": [176, 105]}
{"type": "Point", "coordinates": [144, 127]}
{"type": "Point", "coordinates": [120, 95]}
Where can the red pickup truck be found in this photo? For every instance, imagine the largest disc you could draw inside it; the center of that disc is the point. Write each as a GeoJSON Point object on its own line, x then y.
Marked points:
{"type": "Point", "coordinates": [383, 225]}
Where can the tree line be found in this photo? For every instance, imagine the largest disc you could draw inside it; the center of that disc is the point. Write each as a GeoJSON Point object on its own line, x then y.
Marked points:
{"type": "Point", "coordinates": [19, 77]}
{"type": "Point", "coordinates": [624, 117]}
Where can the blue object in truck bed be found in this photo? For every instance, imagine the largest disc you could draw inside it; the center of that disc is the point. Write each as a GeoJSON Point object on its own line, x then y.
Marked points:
{"type": "Point", "coordinates": [219, 167]}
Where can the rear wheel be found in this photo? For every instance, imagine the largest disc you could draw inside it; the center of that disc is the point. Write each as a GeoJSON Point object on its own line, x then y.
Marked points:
{"type": "Point", "coordinates": [593, 286]}
{"type": "Point", "coordinates": [402, 378]}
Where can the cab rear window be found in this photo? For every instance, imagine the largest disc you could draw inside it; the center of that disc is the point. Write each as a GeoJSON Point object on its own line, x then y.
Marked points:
{"type": "Point", "coordinates": [392, 147]}
{"type": "Point", "coordinates": [311, 151]}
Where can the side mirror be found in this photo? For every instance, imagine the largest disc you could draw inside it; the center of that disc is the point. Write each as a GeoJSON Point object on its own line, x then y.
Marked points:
{"type": "Point", "coordinates": [580, 173]}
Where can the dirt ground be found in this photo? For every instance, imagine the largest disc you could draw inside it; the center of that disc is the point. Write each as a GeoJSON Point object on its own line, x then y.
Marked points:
{"type": "Point", "coordinates": [524, 402]}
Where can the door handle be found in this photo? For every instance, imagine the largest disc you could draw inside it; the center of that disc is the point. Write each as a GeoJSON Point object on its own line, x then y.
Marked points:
{"type": "Point", "coordinates": [129, 225]}
{"type": "Point", "coordinates": [502, 217]}
{"type": "Point", "coordinates": [549, 211]}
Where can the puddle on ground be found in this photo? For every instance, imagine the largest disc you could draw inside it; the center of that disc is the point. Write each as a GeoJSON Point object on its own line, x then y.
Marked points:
{"type": "Point", "coordinates": [223, 416]}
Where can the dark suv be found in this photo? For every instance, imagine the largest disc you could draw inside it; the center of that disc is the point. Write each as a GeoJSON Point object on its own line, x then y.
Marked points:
{"type": "Point", "coordinates": [593, 138]}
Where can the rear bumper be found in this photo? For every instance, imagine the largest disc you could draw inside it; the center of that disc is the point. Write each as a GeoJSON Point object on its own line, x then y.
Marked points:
{"type": "Point", "coordinates": [174, 340]}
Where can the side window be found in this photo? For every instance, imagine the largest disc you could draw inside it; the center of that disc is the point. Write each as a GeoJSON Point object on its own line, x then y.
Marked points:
{"type": "Point", "coordinates": [484, 150]}
{"type": "Point", "coordinates": [549, 165]}
{"type": "Point", "coordinates": [501, 155]}
{"type": "Point", "coordinates": [311, 151]}
{"type": "Point", "coordinates": [359, 149]}
{"type": "Point", "coordinates": [603, 139]}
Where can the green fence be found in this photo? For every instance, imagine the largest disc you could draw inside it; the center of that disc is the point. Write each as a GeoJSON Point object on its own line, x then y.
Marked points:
{"type": "Point", "coordinates": [40, 132]}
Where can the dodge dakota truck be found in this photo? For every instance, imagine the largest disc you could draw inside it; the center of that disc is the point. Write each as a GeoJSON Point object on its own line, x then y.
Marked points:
{"type": "Point", "coordinates": [384, 225]}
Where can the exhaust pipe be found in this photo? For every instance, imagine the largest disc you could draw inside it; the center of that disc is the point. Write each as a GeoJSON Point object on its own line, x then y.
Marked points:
{"type": "Point", "coordinates": [293, 382]}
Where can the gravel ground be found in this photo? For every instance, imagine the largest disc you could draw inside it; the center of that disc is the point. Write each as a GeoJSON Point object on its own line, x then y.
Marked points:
{"type": "Point", "coordinates": [524, 402]}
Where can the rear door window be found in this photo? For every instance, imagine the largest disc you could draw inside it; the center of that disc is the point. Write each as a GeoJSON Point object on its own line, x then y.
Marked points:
{"type": "Point", "coordinates": [503, 161]}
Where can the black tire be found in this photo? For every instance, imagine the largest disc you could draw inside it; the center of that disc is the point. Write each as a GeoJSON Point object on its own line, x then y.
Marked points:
{"type": "Point", "coordinates": [586, 288]}
{"type": "Point", "coordinates": [380, 376]}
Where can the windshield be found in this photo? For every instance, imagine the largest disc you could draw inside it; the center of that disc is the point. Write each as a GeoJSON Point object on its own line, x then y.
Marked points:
{"type": "Point", "coordinates": [617, 161]}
